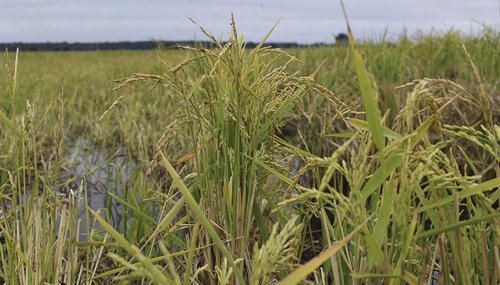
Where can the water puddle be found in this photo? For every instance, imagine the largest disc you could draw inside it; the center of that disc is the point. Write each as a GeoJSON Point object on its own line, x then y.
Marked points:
{"type": "Point", "coordinates": [95, 173]}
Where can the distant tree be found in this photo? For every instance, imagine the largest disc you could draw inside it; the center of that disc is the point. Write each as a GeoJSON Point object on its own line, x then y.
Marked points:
{"type": "Point", "coordinates": [341, 38]}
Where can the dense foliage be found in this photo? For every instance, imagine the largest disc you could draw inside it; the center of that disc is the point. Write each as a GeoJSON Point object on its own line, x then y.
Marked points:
{"type": "Point", "coordinates": [353, 164]}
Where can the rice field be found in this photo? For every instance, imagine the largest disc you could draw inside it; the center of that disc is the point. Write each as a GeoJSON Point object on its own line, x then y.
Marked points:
{"type": "Point", "coordinates": [359, 163]}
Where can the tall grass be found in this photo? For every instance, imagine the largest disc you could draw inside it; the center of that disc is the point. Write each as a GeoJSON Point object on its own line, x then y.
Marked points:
{"type": "Point", "coordinates": [39, 229]}
{"type": "Point", "coordinates": [234, 100]}
{"type": "Point", "coordinates": [250, 172]}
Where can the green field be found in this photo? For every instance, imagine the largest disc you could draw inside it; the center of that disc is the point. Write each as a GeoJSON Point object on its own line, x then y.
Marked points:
{"type": "Point", "coordinates": [378, 164]}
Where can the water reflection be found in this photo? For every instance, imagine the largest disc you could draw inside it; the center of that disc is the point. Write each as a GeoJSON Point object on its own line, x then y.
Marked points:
{"type": "Point", "coordinates": [96, 173]}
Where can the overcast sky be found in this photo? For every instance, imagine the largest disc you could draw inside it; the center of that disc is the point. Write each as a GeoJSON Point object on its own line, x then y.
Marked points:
{"type": "Point", "coordinates": [304, 21]}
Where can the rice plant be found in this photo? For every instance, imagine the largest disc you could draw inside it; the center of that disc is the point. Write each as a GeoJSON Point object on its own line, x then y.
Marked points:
{"type": "Point", "coordinates": [370, 163]}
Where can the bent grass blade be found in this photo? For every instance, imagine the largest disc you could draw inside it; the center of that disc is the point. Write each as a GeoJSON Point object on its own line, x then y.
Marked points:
{"type": "Point", "coordinates": [202, 218]}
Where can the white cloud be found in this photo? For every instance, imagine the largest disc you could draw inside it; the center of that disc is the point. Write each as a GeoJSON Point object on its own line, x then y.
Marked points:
{"type": "Point", "coordinates": [302, 21]}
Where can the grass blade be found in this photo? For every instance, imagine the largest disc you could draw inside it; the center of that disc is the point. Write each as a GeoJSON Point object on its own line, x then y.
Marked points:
{"type": "Point", "coordinates": [363, 125]}
{"type": "Point", "coordinates": [380, 175]}
{"type": "Point", "coordinates": [474, 190]}
{"type": "Point", "coordinates": [156, 275]}
{"type": "Point", "coordinates": [202, 218]}
{"type": "Point", "coordinates": [370, 103]}
{"type": "Point", "coordinates": [386, 208]}
{"type": "Point", "coordinates": [10, 125]}
{"type": "Point", "coordinates": [302, 272]}
{"type": "Point", "coordinates": [447, 228]}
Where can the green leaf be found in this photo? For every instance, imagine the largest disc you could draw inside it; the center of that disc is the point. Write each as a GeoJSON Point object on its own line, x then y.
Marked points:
{"type": "Point", "coordinates": [473, 190]}
{"type": "Point", "coordinates": [447, 228]}
{"type": "Point", "coordinates": [193, 205]}
{"type": "Point", "coordinates": [10, 125]}
{"type": "Point", "coordinates": [386, 206]}
{"type": "Point", "coordinates": [135, 210]}
{"type": "Point", "coordinates": [368, 97]}
{"type": "Point", "coordinates": [421, 131]}
{"type": "Point", "coordinates": [156, 275]}
{"type": "Point", "coordinates": [380, 175]}
{"type": "Point", "coordinates": [301, 273]}
{"type": "Point", "coordinates": [375, 254]}
{"type": "Point", "coordinates": [363, 125]}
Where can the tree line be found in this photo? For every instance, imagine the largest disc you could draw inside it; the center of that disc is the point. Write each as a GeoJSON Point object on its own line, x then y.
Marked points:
{"type": "Point", "coordinates": [143, 45]}
{"type": "Point", "coordinates": [140, 45]}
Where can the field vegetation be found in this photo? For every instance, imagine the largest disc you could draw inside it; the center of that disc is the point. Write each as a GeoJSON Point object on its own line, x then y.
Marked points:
{"type": "Point", "coordinates": [372, 163]}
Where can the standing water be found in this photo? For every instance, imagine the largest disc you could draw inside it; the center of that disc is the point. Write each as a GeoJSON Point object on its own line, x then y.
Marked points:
{"type": "Point", "coordinates": [95, 174]}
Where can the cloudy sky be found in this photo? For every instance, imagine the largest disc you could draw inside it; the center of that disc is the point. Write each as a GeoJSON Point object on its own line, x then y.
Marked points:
{"type": "Point", "coordinates": [304, 21]}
